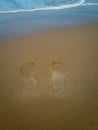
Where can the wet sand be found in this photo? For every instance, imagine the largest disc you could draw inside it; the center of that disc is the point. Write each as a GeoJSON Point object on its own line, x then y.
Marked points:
{"type": "Point", "coordinates": [49, 81]}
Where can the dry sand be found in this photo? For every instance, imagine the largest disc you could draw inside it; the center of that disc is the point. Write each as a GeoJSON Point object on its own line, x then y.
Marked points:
{"type": "Point", "coordinates": [50, 81]}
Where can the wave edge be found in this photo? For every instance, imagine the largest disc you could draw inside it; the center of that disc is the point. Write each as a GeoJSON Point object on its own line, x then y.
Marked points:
{"type": "Point", "coordinates": [62, 7]}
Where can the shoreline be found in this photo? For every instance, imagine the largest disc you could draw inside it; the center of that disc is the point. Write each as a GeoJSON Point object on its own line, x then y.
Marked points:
{"type": "Point", "coordinates": [51, 30]}
{"type": "Point", "coordinates": [13, 25]}
{"type": "Point", "coordinates": [52, 8]}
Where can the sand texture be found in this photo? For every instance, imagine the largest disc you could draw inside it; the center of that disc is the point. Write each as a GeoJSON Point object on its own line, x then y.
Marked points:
{"type": "Point", "coordinates": [49, 81]}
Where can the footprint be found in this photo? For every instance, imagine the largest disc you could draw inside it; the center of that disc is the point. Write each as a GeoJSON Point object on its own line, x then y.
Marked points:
{"type": "Point", "coordinates": [27, 72]}
{"type": "Point", "coordinates": [57, 80]}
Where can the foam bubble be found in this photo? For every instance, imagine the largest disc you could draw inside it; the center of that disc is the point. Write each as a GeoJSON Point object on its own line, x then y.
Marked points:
{"type": "Point", "coordinates": [17, 6]}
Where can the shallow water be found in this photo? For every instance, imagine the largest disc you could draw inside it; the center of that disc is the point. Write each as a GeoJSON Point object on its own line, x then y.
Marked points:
{"type": "Point", "coordinates": [16, 24]}
{"type": "Point", "coordinates": [12, 6]}
{"type": "Point", "coordinates": [34, 16]}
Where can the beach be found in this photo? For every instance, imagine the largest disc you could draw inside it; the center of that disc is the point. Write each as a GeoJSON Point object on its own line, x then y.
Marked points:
{"type": "Point", "coordinates": [49, 65]}
{"type": "Point", "coordinates": [16, 24]}
{"type": "Point", "coordinates": [49, 80]}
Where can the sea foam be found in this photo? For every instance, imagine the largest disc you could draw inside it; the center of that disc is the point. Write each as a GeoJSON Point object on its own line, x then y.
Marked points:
{"type": "Point", "coordinates": [17, 6]}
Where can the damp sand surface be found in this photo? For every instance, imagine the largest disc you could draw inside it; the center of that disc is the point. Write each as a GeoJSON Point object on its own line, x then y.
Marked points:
{"type": "Point", "coordinates": [49, 81]}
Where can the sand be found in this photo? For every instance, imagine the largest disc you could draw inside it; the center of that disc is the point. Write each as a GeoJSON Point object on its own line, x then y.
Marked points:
{"type": "Point", "coordinates": [49, 81]}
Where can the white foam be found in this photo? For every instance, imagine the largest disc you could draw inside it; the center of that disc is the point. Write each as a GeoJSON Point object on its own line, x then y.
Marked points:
{"type": "Point", "coordinates": [61, 7]}
{"type": "Point", "coordinates": [46, 8]}
{"type": "Point", "coordinates": [92, 4]}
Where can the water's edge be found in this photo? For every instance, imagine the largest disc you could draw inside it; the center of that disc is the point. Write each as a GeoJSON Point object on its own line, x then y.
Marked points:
{"type": "Point", "coordinates": [44, 8]}
{"type": "Point", "coordinates": [17, 24]}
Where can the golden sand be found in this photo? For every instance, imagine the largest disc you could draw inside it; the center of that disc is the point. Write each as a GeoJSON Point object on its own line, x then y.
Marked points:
{"type": "Point", "coordinates": [49, 81]}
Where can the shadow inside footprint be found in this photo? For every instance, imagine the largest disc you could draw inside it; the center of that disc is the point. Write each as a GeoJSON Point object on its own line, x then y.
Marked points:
{"type": "Point", "coordinates": [57, 80]}
{"type": "Point", "coordinates": [27, 72]}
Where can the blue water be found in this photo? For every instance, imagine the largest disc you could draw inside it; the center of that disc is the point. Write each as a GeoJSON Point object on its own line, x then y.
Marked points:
{"type": "Point", "coordinates": [13, 6]}
{"type": "Point", "coordinates": [20, 17]}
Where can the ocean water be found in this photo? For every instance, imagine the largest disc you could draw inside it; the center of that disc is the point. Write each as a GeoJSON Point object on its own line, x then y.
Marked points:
{"type": "Point", "coordinates": [13, 6]}
{"type": "Point", "coordinates": [20, 17]}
